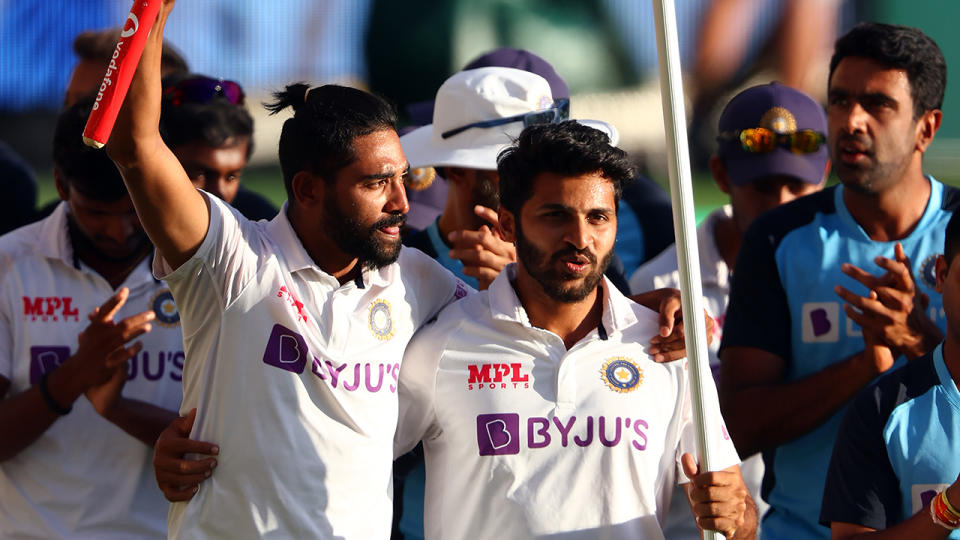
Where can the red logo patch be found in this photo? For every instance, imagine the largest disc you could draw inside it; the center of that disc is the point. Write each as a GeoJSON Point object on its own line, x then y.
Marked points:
{"type": "Point", "coordinates": [50, 308]}
{"type": "Point", "coordinates": [294, 302]}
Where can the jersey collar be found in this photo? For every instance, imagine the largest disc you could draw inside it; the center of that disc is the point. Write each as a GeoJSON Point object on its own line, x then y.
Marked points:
{"type": "Point", "coordinates": [281, 232]}
{"type": "Point", "coordinates": [505, 305]}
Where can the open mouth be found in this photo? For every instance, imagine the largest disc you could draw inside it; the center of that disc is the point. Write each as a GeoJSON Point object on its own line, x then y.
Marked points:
{"type": "Point", "coordinates": [576, 264]}
{"type": "Point", "coordinates": [852, 152]}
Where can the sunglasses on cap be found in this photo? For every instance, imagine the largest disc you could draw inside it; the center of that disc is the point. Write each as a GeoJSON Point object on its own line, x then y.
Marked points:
{"type": "Point", "coordinates": [762, 140]}
{"type": "Point", "coordinates": [558, 112]}
{"type": "Point", "coordinates": [202, 90]}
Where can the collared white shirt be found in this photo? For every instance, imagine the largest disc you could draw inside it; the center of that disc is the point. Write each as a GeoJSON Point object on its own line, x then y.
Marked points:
{"type": "Point", "coordinates": [83, 477]}
{"type": "Point", "coordinates": [661, 271]}
{"type": "Point", "coordinates": [295, 377]}
{"type": "Point", "coordinates": [526, 439]}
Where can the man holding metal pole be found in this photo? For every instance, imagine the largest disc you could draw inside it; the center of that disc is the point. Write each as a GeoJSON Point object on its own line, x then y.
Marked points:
{"type": "Point", "coordinates": [538, 403]}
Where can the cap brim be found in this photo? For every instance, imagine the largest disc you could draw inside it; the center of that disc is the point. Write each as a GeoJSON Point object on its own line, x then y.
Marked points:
{"type": "Point", "coordinates": [744, 169]}
{"type": "Point", "coordinates": [421, 152]}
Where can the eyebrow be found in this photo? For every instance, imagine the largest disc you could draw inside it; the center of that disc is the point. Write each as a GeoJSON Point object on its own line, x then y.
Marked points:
{"type": "Point", "coordinates": [386, 174]}
{"type": "Point", "coordinates": [566, 208]}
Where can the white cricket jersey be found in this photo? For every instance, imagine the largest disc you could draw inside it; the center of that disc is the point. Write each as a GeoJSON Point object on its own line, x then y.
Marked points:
{"type": "Point", "coordinates": [83, 477]}
{"type": "Point", "coordinates": [295, 377]}
{"type": "Point", "coordinates": [660, 272]}
{"type": "Point", "coordinates": [526, 439]}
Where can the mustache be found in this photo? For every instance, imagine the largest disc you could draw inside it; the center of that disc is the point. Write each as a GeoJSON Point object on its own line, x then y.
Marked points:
{"type": "Point", "coordinates": [586, 253]}
{"type": "Point", "coordinates": [389, 221]}
{"type": "Point", "coordinates": [860, 141]}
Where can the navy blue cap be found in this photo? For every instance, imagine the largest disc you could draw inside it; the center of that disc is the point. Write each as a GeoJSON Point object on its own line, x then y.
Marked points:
{"type": "Point", "coordinates": [783, 110]}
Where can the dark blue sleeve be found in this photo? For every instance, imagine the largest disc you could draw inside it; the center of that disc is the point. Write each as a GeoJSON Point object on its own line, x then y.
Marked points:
{"type": "Point", "coordinates": [253, 206]}
{"type": "Point", "coordinates": [862, 487]}
{"type": "Point", "coordinates": [651, 204]}
{"type": "Point", "coordinates": [758, 314]}
{"type": "Point", "coordinates": [19, 189]}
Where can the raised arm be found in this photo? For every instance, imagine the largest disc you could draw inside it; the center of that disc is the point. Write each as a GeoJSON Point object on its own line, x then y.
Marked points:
{"type": "Point", "coordinates": [174, 214]}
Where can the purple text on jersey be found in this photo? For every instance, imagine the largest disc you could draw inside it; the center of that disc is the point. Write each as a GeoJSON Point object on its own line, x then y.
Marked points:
{"type": "Point", "coordinates": [288, 351]}
{"type": "Point", "coordinates": [499, 434]}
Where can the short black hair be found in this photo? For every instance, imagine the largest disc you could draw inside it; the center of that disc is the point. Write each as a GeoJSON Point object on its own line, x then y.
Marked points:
{"type": "Point", "coordinates": [568, 148]}
{"type": "Point", "coordinates": [951, 240]}
{"type": "Point", "coordinates": [899, 47]}
{"type": "Point", "coordinates": [85, 169]}
{"type": "Point", "coordinates": [326, 120]}
{"type": "Point", "coordinates": [212, 123]}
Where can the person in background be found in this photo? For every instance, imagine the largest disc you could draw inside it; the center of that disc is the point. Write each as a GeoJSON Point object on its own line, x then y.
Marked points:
{"type": "Point", "coordinates": [205, 123]}
{"type": "Point", "coordinates": [79, 415]}
{"type": "Point", "coordinates": [772, 150]}
{"type": "Point", "coordinates": [805, 315]}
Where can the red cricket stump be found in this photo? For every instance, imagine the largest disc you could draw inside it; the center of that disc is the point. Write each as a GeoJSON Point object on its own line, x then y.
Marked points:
{"type": "Point", "coordinates": [123, 64]}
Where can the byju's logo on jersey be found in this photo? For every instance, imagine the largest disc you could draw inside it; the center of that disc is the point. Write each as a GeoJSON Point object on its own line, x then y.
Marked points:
{"type": "Point", "coordinates": [820, 322]}
{"type": "Point", "coordinates": [498, 434]}
{"type": "Point", "coordinates": [46, 359]}
{"type": "Point", "coordinates": [621, 374]}
{"type": "Point", "coordinates": [165, 309]}
{"type": "Point", "coordinates": [380, 320]}
{"type": "Point", "coordinates": [286, 350]}
{"type": "Point", "coordinates": [50, 308]}
{"type": "Point", "coordinates": [497, 376]}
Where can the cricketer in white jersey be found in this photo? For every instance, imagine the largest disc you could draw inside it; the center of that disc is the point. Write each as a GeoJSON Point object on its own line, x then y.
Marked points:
{"type": "Point", "coordinates": [526, 439]}
{"type": "Point", "coordinates": [83, 477]}
{"type": "Point", "coordinates": [295, 377]}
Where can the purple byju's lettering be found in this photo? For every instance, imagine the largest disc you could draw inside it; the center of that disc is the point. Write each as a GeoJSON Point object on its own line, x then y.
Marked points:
{"type": "Point", "coordinates": [155, 365]}
{"type": "Point", "coordinates": [499, 434]}
{"type": "Point", "coordinates": [362, 376]}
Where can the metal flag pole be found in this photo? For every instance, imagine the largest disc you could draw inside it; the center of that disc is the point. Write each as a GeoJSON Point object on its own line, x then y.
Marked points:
{"type": "Point", "coordinates": [684, 224]}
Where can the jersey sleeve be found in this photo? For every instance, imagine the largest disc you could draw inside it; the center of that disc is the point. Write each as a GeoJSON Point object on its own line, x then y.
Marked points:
{"type": "Point", "coordinates": [862, 487]}
{"type": "Point", "coordinates": [223, 264]}
{"type": "Point", "coordinates": [436, 286]}
{"type": "Point", "coordinates": [758, 314]}
{"type": "Point", "coordinates": [417, 390]}
{"type": "Point", "coordinates": [722, 452]}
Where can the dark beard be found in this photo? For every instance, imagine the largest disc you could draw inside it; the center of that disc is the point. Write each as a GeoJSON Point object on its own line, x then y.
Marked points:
{"type": "Point", "coordinates": [83, 247]}
{"type": "Point", "coordinates": [355, 239]}
{"type": "Point", "coordinates": [540, 266]}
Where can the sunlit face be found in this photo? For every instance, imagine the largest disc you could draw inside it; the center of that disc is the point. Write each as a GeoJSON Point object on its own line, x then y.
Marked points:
{"type": "Point", "coordinates": [754, 198]}
{"type": "Point", "coordinates": [872, 130]}
{"type": "Point", "coordinates": [215, 170]}
{"type": "Point", "coordinates": [111, 230]}
{"type": "Point", "coordinates": [565, 234]}
{"type": "Point", "coordinates": [368, 205]}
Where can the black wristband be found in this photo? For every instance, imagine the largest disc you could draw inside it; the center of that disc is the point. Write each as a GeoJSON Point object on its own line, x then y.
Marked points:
{"type": "Point", "coordinates": [45, 392]}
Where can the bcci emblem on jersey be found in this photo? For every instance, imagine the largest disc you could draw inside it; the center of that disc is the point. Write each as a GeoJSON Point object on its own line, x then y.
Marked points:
{"type": "Point", "coordinates": [379, 320]}
{"type": "Point", "coordinates": [928, 271]}
{"type": "Point", "coordinates": [165, 309]}
{"type": "Point", "coordinates": [621, 374]}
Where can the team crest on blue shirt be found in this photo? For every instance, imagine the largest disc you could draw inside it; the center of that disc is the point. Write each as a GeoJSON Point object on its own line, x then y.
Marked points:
{"type": "Point", "coordinates": [621, 374]}
{"type": "Point", "coordinates": [928, 271]}
{"type": "Point", "coordinates": [380, 320]}
{"type": "Point", "coordinates": [165, 309]}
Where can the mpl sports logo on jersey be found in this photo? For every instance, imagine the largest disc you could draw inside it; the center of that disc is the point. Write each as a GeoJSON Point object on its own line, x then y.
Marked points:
{"type": "Point", "coordinates": [50, 308]}
{"type": "Point", "coordinates": [497, 376]}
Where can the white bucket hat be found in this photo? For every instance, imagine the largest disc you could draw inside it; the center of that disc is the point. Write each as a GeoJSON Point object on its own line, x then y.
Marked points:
{"type": "Point", "coordinates": [483, 96]}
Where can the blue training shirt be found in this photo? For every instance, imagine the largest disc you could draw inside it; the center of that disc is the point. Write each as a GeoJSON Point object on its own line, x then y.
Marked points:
{"type": "Point", "coordinates": [898, 445]}
{"type": "Point", "coordinates": [782, 301]}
